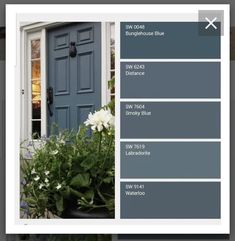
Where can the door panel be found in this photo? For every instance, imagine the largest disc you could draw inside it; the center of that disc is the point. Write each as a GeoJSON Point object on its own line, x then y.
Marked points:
{"type": "Point", "coordinates": [62, 116]}
{"type": "Point", "coordinates": [85, 80]}
{"type": "Point", "coordinates": [62, 76]}
{"type": "Point", "coordinates": [76, 81]}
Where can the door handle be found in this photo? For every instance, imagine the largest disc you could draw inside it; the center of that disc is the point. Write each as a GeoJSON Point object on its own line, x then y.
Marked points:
{"type": "Point", "coordinates": [50, 95]}
{"type": "Point", "coordinates": [50, 99]}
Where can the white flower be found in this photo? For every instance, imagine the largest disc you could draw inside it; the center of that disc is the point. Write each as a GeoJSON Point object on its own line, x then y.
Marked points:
{"type": "Point", "coordinates": [61, 141]}
{"type": "Point", "coordinates": [54, 152]}
{"type": "Point", "coordinates": [41, 186]}
{"type": "Point", "coordinates": [33, 171]}
{"type": "Point", "coordinates": [36, 178]}
{"type": "Point", "coordinates": [100, 120]}
{"type": "Point", "coordinates": [46, 173]}
{"type": "Point", "coordinates": [58, 186]}
{"type": "Point", "coordinates": [46, 180]}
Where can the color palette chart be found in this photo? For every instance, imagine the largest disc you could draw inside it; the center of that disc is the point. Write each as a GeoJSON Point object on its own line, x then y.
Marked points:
{"type": "Point", "coordinates": [170, 115]}
{"type": "Point", "coordinates": [167, 171]}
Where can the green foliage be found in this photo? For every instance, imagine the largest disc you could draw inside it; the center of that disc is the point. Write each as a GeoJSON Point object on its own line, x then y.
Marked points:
{"type": "Point", "coordinates": [111, 104]}
{"type": "Point", "coordinates": [111, 83]}
{"type": "Point", "coordinates": [81, 180]}
{"type": "Point", "coordinates": [68, 165]}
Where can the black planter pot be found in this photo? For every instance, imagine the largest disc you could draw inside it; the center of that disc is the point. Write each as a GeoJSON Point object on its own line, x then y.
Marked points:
{"type": "Point", "coordinates": [75, 213]}
{"type": "Point", "coordinates": [72, 211]}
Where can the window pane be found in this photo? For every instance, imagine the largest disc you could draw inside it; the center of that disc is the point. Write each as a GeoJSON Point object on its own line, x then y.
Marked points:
{"type": "Point", "coordinates": [112, 57]}
{"type": "Point", "coordinates": [36, 69]}
{"type": "Point", "coordinates": [36, 110]}
{"type": "Point", "coordinates": [35, 49]}
{"type": "Point", "coordinates": [113, 90]}
{"type": "Point", "coordinates": [36, 89]}
{"type": "Point", "coordinates": [112, 74]}
{"type": "Point", "coordinates": [112, 34]}
{"type": "Point", "coordinates": [36, 99]}
{"type": "Point", "coordinates": [36, 129]}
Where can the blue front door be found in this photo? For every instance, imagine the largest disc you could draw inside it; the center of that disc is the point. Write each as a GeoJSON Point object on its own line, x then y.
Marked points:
{"type": "Point", "coordinates": [74, 73]}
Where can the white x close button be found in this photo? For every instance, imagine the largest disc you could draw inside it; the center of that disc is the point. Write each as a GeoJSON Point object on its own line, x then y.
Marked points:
{"type": "Point", "coordinates": [211, 23]}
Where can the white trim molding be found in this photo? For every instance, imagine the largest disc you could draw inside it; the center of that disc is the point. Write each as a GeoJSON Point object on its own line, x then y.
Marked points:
{"type": "Point", "coordinates": [43, 82]}
{"type": "Point", "coordinates": [104, 83]}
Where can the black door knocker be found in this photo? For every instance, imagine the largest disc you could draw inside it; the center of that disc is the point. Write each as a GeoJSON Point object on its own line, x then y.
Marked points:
{"type": "Point", "coordinates": [72, 50]}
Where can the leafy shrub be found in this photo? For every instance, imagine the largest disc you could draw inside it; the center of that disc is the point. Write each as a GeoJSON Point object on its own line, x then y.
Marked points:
{"type": "Point", "coordinates": [69, 166]}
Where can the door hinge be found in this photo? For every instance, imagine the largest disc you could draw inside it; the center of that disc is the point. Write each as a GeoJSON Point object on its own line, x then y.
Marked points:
{"type": "Point", "coordinates": [22, 91]}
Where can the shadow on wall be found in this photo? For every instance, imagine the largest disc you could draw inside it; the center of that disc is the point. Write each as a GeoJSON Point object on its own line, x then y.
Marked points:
{"type": "Point", "coordinates": [232, 43]}
{"type": "Point", "coordinates": [2, 43]}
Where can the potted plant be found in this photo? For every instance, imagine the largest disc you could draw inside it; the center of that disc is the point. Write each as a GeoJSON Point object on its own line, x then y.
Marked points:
{"type": "Point", "coordinates": [71, 174]}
